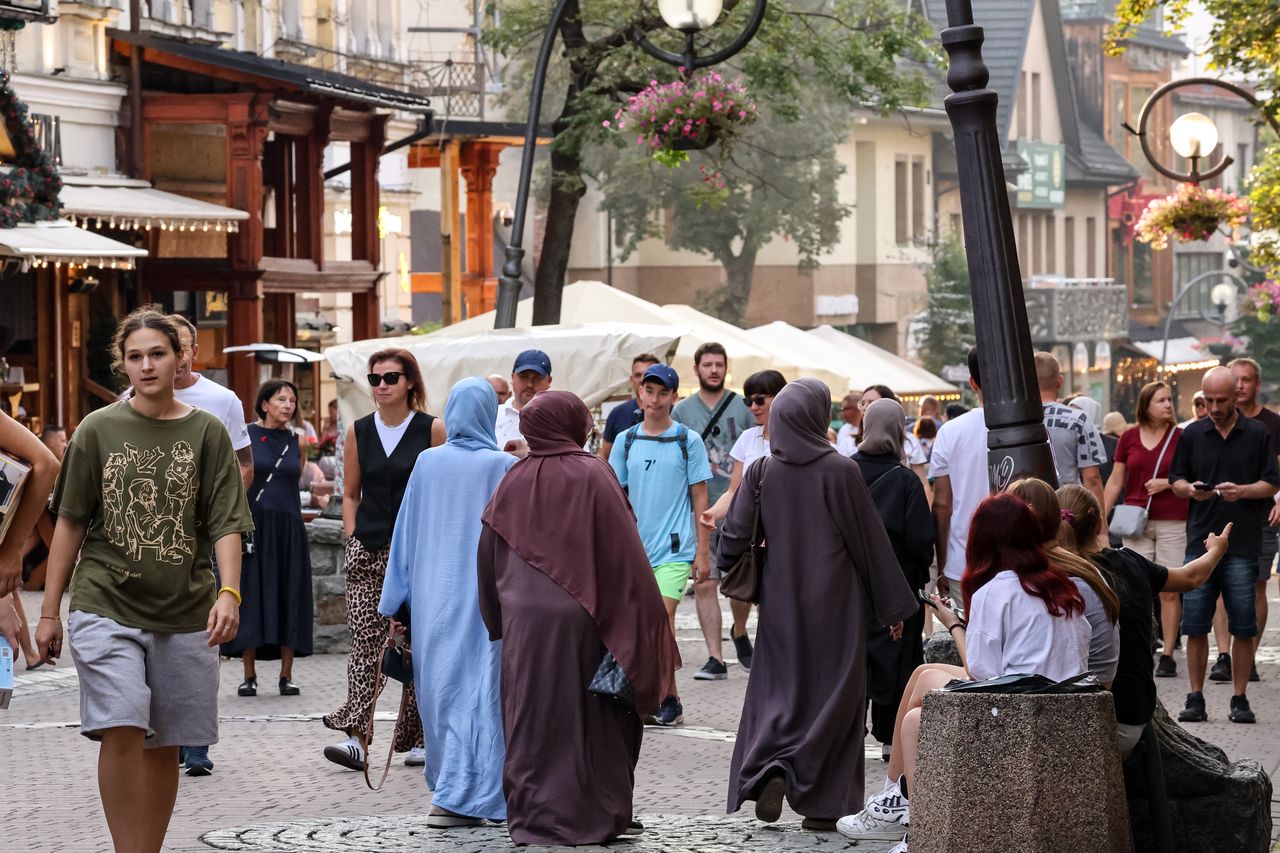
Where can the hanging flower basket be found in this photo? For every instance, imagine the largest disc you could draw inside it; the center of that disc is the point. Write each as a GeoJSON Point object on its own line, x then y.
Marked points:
{"type": "Point", "coordinates": [1220, 347]}
{"type": "Point", "coordinates": [1189, 214]}
{"type": "Point", "coordinates": [671, 119]}
{"type": "Point", "coordinates": [1263, 301]}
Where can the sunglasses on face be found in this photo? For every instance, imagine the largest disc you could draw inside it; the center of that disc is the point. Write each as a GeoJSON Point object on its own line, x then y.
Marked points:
{"type": "Point", "coordinates": [390, 377]}
{"type": "Point", "coordinates": [759, 399]}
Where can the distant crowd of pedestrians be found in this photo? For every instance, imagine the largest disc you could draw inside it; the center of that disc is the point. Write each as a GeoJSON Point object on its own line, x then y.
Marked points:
{"type": "Point", "coordinates": [180, 534]}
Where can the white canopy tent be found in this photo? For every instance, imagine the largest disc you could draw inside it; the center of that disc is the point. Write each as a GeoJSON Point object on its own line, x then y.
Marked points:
{"type": "Point", "coordinates": [792, 362]}
{"type": "Point", "coordinates": [596, 302]}
{"type": "Point", "coordinates": [590, 359]}
{"type": "Point", "coordinates": [869, 365]}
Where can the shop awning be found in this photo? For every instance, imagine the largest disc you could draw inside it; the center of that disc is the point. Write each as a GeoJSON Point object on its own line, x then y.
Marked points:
{"type": "Point", "coordinates": [136, 204]}
{"type": "Point", "coordinates": [59, 242]}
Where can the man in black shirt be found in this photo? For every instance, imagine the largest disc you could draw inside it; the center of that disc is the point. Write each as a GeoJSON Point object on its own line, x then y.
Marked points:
{"type": "Point", "coordinates": [628, 414]}
{"type": "Point", "coordinates": [1226, 466]}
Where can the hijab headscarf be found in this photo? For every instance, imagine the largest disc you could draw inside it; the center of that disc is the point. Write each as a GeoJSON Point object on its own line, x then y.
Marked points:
{"type": "Point", "coordinates": [884, 427]}
{"type": "Point", "coordinates": [470, 415]}
{"type": "Point", "coordinates": [1090, 407]}
{"type": "Point", "coordinates": [562, 511]}
{"type": "Point", "coordinates": [798, 422]}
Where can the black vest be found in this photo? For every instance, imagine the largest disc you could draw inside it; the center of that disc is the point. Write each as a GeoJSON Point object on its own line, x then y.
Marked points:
{"type": "Point", "coordinates": [383, 479]}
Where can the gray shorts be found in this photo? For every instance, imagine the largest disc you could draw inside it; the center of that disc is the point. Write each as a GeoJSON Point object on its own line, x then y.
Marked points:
{"type": "Point", "coordinates": [164, 684]}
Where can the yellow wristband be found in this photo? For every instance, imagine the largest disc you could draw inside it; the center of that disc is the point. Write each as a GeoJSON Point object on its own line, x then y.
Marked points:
{"type": "Point", "coordinates": [233, 591]}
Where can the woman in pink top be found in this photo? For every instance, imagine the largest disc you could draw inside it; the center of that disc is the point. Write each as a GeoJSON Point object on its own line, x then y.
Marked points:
{"type": "Point", "coordinates": [1135, 481]}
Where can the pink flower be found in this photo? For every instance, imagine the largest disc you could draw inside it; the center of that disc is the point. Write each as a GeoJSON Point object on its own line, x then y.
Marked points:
{"type": "Point", "coordinates": [605, 123]}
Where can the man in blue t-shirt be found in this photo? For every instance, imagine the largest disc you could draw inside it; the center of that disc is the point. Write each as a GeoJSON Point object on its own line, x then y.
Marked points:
{"type": "Point", "coordinates": [626, 415]}
{"type": "Point", "coordinates": [663, 466]}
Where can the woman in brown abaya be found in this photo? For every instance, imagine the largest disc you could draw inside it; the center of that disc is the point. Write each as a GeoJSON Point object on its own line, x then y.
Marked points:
{"type": "Point", "coordinates": [563, 577]}
{"type": "Point", "coordinates": [830, 565]}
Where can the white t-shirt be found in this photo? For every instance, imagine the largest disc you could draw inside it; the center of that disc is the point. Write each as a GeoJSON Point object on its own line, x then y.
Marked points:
{"type": "Point", "coordinates": [1011, 633]}
{"type": "Point", "coordinates": [960, 453]}
{"type": "Point", "coordinates": [846, 445]}
{"type": "Point", "coordinates": [208, 396]}
{"type": "Point", "coordinates": [390, 435]}
{"type": "Point", "coordinates": [507, 426]}
{"type": "Point", "coordinates": [750, 446]}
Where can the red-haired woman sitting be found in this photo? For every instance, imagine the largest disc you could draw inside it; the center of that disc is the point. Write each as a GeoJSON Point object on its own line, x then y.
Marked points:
{"type": "Point", "coordinates": [1026, 617]}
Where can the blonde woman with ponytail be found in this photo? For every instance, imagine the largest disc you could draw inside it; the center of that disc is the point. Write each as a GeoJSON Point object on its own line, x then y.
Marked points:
{"type": "Point", "coordinates": [1138, 581]}
{"type": "Point", "coordinates": [1101, 605]}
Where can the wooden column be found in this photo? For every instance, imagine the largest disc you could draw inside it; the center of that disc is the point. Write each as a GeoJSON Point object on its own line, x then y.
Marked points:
{"type": "Point", "coordinates": [366, 319]}
{"type": "Point", "coordinates": [244, 326]}
{"type": "Point", "coordinates": [365, 244]}
{"type": "Point", "coordinates": [479, 165]}
{"type": "Point", "coordinates": [310, 188]}
{"type": "Point", "coordinates": [246, 134]}
{"type": "Point", "coordinates": [279, 322]}
{"type": "Point", "coordinates": [450, 236]}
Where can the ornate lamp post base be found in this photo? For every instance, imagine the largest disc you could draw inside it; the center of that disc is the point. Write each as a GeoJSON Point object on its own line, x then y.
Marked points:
{"type": "Point", "coordinates": [1016, 439]}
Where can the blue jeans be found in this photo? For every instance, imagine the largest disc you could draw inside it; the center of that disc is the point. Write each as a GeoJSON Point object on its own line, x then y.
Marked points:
{"type": "Point", "coordinates": [1234, 579]}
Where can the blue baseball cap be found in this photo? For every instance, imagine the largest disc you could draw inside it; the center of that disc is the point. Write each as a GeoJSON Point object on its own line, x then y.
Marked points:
{"type": "Point", "coordinates": [533, 359]}
{"type": "Point", "coordinates": [662, 373]}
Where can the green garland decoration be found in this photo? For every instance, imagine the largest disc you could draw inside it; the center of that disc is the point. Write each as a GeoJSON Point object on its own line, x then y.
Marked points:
{"type": "Point", "coordinates": [29, 192]}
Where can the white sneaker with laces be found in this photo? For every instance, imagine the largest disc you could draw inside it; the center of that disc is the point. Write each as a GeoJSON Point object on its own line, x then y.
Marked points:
{"type": "Point", "coordinates": [885, 817]}
{"type": "Point", "coordinates": [900, 847]}
{"type": "Point", "coordinates": [416, 757]}
{"type": "Point", "coordinates": [348, 753]}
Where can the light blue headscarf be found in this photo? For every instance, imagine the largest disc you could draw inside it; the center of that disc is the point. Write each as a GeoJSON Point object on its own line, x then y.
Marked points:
{"type": "Point", "coordinates": [470, 415]}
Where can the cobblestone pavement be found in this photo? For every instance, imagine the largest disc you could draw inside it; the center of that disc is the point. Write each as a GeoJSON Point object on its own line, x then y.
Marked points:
{"type": "Point", "coordinates": [271, 789]}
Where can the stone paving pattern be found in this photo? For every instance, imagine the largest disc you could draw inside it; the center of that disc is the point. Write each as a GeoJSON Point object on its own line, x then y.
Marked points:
{"type": "Point", "coordinates": [271, 789]}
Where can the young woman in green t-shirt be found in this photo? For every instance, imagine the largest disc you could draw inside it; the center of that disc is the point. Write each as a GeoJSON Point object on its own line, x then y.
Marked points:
{"type": "Point", "coordinates": [149, 490]}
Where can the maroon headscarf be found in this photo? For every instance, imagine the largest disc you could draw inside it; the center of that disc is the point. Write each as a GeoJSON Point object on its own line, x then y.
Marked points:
{"type": "Point", "coordinates": [562, 511]}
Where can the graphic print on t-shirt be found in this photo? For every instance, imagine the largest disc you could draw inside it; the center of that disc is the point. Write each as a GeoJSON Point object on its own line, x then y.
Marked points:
{"type": "Point", "coordinates": [137, 517]}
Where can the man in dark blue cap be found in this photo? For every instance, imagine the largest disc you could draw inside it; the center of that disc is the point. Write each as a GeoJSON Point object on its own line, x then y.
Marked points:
{"type": "Point", "coordinates": [530, 375]}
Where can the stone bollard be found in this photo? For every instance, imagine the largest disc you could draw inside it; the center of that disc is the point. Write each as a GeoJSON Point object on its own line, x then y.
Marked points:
{"type": "Point", "coordinates": [329, 586]}
{"type": "Point", "coordinates": [1033, 774]}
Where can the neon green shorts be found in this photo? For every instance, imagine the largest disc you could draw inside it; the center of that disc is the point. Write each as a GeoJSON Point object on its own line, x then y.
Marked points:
{"type": "Point", "coordinates": [672, 578]}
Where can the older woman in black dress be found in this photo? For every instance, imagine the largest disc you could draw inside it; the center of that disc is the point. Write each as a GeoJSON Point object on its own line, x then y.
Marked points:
{"type": "Point", "coordinates": [276, 617]}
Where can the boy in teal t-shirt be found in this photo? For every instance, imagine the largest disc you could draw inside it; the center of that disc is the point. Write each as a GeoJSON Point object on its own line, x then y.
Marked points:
{"type": "Point", "coordinates": [664, 468]}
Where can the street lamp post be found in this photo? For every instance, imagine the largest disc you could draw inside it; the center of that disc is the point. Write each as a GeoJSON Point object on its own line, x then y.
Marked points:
{"type": "Point", "coordinates": [687, 16]}
{"type": "Point", "coordinates": [1017, 442]}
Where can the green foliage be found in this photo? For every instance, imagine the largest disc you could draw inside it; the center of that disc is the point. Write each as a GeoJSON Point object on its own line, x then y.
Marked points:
{"type": "Point", "coordinates": [809, 66]}
{"type": "Point", "coordinates": [948, 316]}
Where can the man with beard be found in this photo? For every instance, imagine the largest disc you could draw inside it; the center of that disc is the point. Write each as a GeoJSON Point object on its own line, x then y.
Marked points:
{"type": "Point", "coordinates": [530, 375]}
{"type": "Point", "coordinates": [719, 416]}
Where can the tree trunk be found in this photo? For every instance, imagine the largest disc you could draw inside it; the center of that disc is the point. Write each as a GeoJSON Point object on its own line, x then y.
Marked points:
{"type": "Point", "coordinates": [736, 293]}
{"type": "Point", "coordinates": [567, 189]}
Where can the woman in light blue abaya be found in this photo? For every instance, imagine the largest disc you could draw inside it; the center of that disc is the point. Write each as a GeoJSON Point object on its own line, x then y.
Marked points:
{"type": "Point", "coordinates": [432, 568]}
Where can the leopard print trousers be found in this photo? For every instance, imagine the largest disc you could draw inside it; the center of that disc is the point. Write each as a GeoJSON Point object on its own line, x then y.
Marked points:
{"type": "Point", "coordinates": [365, 572]}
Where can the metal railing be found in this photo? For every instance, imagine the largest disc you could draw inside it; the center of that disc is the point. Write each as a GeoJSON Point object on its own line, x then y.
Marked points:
{"type": "Point", "coordinates": [455, 88]}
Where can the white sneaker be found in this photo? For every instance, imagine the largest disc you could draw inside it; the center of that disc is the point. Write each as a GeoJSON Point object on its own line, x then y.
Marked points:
{"type": "Point", "coordinates": [900, 847]}
{"type": "Point", "coordinates": [885, 817]}
{"type": "Point", "coordinates": [416, 757]}
{"type": "Point", "coordinates": [349, 754]}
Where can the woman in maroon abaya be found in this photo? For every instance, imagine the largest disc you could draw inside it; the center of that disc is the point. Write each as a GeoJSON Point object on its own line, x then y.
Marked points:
{"type": "Point", "coordinates": [830, 565]}
{"type": "Point", "coordinates": [563, 577]}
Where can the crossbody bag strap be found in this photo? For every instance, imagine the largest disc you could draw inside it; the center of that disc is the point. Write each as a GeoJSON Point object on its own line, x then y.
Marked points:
{"type": "Point", "coordinates": [1156, 471]}
{"type": "Point", "coordinates": [391, 742]}
{"type": "Point", "coordinates": [715, 416]}
{"type": "Point", "coordinates": [755, 499]}
{"type": "Point", "coordinates": [279, 459]}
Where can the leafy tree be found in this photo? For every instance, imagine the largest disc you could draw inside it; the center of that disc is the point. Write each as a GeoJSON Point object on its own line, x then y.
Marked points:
{"type": "Point", "coordinates": [1245, 41]}
{"type": "Point", "coordinates": [811, 61]}
{"type": "Point", "coordinates": [948, 315]}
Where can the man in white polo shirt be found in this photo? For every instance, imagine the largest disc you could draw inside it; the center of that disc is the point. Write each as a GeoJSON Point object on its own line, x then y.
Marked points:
{"type": "Point", "coordinates": [207, 395]}
{"type": "Point", "coordinates": [530, 375]}
{"type": "Point", "coordinates": [960, 483]}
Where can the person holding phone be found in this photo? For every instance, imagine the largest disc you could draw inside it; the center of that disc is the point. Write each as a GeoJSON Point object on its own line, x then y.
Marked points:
{"type": "Point", "coordinates": [1226, 466]}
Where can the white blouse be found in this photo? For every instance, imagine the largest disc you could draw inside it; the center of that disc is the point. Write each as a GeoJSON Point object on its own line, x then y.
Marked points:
{"type": "Point", "coordinates": [1011, 632]}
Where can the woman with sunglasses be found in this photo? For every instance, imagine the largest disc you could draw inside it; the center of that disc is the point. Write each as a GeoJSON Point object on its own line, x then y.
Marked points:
{"type": "Point", "coordinates": [379, 454]}
{"type": "Point", "coordinates": [758, 391]}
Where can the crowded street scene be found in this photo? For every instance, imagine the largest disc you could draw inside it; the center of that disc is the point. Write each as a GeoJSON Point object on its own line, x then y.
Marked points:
{"type": "Point", "coordinates": [662, 425]}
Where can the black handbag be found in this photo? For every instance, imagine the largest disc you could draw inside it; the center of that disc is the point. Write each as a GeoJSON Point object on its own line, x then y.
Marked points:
{"type": "Point", "coordinates": [741, 581]}
{"type": "Point", "coordinates": [397, 664]}
{"type": "Point", "coordinates": [611, 683]}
